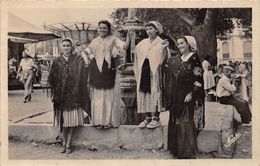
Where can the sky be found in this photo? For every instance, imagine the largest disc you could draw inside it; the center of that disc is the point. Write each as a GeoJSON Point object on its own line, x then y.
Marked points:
{"type": "Point", "coordinates": [39, 16]}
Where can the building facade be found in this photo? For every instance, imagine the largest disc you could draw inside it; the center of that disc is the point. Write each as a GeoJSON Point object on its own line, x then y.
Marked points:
{"type": "Point", "coordinates": [235, 47]}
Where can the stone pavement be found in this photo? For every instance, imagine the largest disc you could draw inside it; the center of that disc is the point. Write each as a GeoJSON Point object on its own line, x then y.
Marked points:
{"type": "Point", "coordinates": [38, 127]}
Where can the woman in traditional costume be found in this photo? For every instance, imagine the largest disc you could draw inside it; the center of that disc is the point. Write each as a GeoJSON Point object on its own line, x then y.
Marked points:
{"type": "Point", "coordinates": [104, 93]}
{"type": "Point", "coordinates": [67, 81]}
{"type": "Point", "coordinates": [150, 54]}
{"type": "Point", "coordinates": [186, 119]}
{"type": "Point", "coordinates": [208, 77]}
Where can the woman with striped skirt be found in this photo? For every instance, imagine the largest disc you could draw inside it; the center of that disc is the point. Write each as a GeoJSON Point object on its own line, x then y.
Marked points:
{"type": "Point", "coordinates": [67, 81]}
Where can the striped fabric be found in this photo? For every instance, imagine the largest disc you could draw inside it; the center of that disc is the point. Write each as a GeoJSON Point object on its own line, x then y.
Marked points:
{"type": "Point", "coordinates": [151, 102]}
{"type": "Point", "coordinates": [73, 118]}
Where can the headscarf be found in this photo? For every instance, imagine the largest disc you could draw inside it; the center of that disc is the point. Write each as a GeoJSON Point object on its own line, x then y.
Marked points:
{"type": "Point", "coordinates": [68, 39]}
{"type": "Point", "coordinates": [158, 26]}
{"type": "Point", "coordinates": [192, 42]}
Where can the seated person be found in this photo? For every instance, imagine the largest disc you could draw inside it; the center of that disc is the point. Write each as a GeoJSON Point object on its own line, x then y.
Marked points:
{"type": "Point", "coordinates": [225, 92]}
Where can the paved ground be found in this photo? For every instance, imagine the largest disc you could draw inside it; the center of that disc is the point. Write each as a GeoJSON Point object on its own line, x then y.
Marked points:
{"type": "Point", "coordinates": [24, 150]}
{"type": "Point", "coordinates": [244, 143]}
{"type": "Point", "coordinates": [40, 103]}
{"type": "Point", "coordinates": [17, 109]}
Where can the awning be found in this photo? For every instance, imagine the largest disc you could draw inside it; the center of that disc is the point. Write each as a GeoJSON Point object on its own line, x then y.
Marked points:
{"type": "Point", "coordinates": [21, 40]}
{"type": "Point", "coordinates": [20, 28]}
{"type": "Point", "coordinates": [38, 37]}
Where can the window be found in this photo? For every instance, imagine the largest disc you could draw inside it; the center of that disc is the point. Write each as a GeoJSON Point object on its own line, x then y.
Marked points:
{"type": "Point", "coordinates": [225, 50]}
{"type": "Point", "coordinates": [247, 47]}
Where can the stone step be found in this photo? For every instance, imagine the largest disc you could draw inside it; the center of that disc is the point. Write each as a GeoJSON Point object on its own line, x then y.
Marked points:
{"type": "Point", "coordinates": [219, 126]}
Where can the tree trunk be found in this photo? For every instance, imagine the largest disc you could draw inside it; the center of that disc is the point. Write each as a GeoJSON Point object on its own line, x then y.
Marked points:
{"type": "Point", "coordinates": [205, 35]}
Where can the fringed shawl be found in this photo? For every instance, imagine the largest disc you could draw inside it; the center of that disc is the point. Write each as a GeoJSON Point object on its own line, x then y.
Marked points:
{"type": "Point", "coordinates": [68, 88]}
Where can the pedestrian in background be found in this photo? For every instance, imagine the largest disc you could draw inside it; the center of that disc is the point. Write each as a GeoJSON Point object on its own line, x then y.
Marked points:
{"type": "Point", "coordinates": [67, 81]}
{"type": "Point", "coordinates": [208, 77]}
{"type": "Point", "coordinates": [244, 73]}
{"type": "Point", "coordinates": [226, 92]}
{"type": "Point", "coordinates": [25, 75]}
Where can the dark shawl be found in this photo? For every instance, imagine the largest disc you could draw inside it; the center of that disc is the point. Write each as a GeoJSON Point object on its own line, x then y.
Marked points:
{"type": "Point", "coordinates": [68, 84]}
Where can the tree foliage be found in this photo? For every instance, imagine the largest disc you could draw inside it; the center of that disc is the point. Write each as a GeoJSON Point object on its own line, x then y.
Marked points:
{"type": "Point", "coordinates": [178, 22]}
{"type": "Point", "coordinates": [205, 24]}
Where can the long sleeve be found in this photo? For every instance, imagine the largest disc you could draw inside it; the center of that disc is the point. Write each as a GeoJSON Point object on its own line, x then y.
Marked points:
{"type": "Point", "coordinates": [228, 86]}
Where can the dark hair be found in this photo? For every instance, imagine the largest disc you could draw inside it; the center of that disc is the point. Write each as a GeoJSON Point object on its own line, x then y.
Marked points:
{"type": "Point", "coordinates": [184, 38]}
{"type": "Point", "coordinates": [108, 25]}
{"type": "Point", "coordinates": [150, 25]}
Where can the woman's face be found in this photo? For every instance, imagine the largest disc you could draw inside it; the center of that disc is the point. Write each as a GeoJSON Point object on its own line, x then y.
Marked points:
{"type": "Point", "coordinates": [242, 67]}
{"type": "Point", "coordinates": [151, 31]}
{"type": "Point", "coordinates": [182, 45]}
{"type": "Point", "coordinates": [25, 55]}
{"type": "Point", "coordinates": [67, 48]}
{"type": "Point", "coordinates": [103, 30]}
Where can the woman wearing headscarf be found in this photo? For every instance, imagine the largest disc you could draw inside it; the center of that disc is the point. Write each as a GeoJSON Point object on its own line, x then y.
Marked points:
{"type": "Point", "coordinates": [67, 81]}
{"type": "Point", "coordinates": [150, 54]}
{"type": "Point", "coordinates": [188, 94]}
{"type": "Point", "coordinates": [26, 68]}
{"type": "Point", "coordinates": [209, 81]}
{"type": "Point", "coordinates": [104, 93]}
{"type": "Point", "coordinates": [244, 73]}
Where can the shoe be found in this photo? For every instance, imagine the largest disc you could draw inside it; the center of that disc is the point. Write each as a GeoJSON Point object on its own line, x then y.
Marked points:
{"type": "Point", "coordinates": [107, 127]}
{"type": "Point", "coordinates": [30, 97]}
{"type": "Point", "coordinates": [63, 150]}
{"type": "Point", "coordinates": [247, 124]}
{"type": "Point", "coordinates": [153, 124]}
{"type": "Point", "coordinates": [143, 124]}
{"type": "Point", "coordinates": [100, 127]}
{"type": "Point", "coordinates": [68, 150]}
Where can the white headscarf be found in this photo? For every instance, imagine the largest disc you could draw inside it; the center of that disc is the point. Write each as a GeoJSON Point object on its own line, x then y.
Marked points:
{"type": "Point", "coordinates": [192, 42]}
{"type": "Point", "coordinates": [158, 26]}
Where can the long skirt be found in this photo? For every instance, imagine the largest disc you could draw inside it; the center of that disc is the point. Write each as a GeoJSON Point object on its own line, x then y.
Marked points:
{"type": "Point", "coordinates": [105, 106]}
{"type": "Point", "coordinates": [243, 90]}
{"type": "Point", "coordinates": [209, 81]}
{"type": "Point", "coordinates": [182, 134]}
{"type": "Point", "coordinates": [151, 102]}
{"type": "Point", "coordinates": [27, 82]}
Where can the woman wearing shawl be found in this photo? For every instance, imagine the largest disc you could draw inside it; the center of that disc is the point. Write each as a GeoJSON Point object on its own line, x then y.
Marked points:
{"type": "Point", "coordinates": [186, 119]}
{"type": "Point", "coordinates": [104, 93]}
{"type": "Point", "coordinates": [150, 54]}
{"type": "Point", "coordinates": [67, 81]}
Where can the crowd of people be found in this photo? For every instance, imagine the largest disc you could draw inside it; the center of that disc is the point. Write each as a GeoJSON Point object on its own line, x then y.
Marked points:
{"type": "Point", "coordinates": [189, 80]}
{"type": "Point", "coordinates": [242, 76]}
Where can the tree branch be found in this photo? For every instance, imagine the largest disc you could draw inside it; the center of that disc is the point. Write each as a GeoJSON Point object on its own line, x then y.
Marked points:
{"type": "Point", "coordinates": [210, 17]}
{"type": "Point", "coordinates": [187, 18]}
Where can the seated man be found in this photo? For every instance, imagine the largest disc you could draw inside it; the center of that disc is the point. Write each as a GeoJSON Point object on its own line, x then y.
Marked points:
{"type": "Point", "coordinates": [225, 92]}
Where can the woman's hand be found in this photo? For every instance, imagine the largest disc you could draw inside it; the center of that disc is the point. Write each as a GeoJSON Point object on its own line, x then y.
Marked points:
{"type": "Point", "coordinates": [17, 75]}
{"type": "Point", "coordinates": [131, 34]}
{"type": "Point", "coordinates": [188, 98]}
{"type": "Point", "coordinates": [165, 42]}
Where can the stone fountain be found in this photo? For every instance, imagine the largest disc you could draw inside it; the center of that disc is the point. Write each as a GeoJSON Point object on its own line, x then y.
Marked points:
{"type": "Point", "coordinates": [127, 77]}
